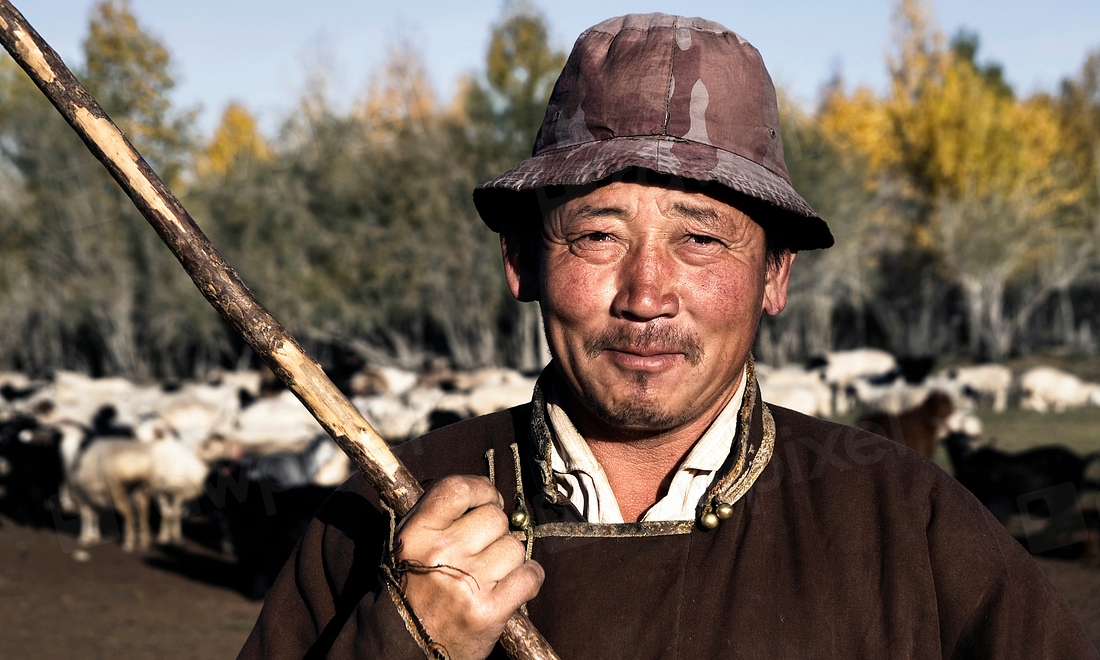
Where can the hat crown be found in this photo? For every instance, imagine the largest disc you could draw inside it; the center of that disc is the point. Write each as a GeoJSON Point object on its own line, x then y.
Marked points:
{"type": "Point", "coordinates": [661, 76]}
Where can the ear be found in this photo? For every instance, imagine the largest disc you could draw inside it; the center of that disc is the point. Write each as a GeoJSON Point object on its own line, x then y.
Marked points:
{"type": "Point", "coordinates": [776, 280]}
{"type": "Point", "coordinates": [520, 271]}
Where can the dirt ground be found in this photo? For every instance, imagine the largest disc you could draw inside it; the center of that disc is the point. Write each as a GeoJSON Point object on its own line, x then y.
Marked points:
{"type": "Point", "coordinates": [117, 605]}
{"type": "Point", "coordinates": [176, 605]}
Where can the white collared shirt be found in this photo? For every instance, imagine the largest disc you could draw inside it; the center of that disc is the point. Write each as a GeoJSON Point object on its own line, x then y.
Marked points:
{"type": "Point", "coordinates": [581, 478]}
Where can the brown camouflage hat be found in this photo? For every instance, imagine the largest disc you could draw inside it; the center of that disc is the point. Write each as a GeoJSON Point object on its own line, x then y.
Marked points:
{"type": "Point", "coordinates": [679, 96]}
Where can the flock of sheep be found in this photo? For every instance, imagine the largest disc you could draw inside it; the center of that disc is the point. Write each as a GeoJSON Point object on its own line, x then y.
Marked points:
{"type": "Point", "coordinates": [111, 444]}
{"type": "Point", "coordinates": [83, 445]}
{"type": "Point", "coordinates": [873, 380]}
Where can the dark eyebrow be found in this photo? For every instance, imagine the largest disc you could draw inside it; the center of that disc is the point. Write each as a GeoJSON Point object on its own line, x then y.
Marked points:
{"type": "Point", "coordinates": [707, 216]}
{"type": "Point", "coordinates": [589, 211]}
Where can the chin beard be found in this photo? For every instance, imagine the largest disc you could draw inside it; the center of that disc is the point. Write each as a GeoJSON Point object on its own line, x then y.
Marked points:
{"type": "Point", "coordinates": [640, 413]}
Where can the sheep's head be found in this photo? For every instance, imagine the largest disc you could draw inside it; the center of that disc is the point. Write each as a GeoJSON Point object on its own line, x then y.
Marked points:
{"type": "Point", "coordinates": [938, 405]}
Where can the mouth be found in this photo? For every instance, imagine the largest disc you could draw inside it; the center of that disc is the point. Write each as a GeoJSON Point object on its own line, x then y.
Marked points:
{"type": "Point", "coordinates": [644, 359]}
{"type": "Point", "coordinates": [645, 352]}
{"type": "Point", "coordinates": [652, 349]}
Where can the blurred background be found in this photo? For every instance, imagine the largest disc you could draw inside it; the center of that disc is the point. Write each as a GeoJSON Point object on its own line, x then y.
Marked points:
{"type": "Point", "coordinates": [329, 151]}
{"type": "Point", "coordinates": [330, 156]}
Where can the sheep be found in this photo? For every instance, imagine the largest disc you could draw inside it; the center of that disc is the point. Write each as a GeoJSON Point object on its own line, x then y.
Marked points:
{"type": "Point", "coordinates": [74, 397]}
{"type": "Point", "coordinates": [491, 397]}
{"type": "Point", "coordinates": [398, 418]}
{"type": "Point", "coordinates": [988, 381]}
{"type": "Point", "coordinates": [893, 398]}
{"type": "Point", "coordinates": [112, 474]}
{"type": "Point", "coordinates": [1044, 389]}
{"type": "Point", "coordinates": [122, 474]}
{"type": "Point", "coordinates": [249, 381]}
{"type": "Point", "coordinates": [278, 418]}
{"type": "Point", "coordinates": [197, 411]}
{"type": "Point", "coordinates": [797, 389]}
{"type": "Point", "coordinates": [378, 379]}
{"type": "Point", "coordinates": [918, 428]}
{"type": "Point", "coordinates": [999, 479]}
{"type": "Point", "coordinates": [839, 368]}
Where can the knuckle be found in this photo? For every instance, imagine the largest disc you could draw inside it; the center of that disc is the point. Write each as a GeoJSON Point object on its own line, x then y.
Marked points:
{"type": "Point", "coordinates": [515, 545]}
{"type": "Point", "coordinates": [536, 570]}
{"type": "Point", "coordinates": [452, 484]}
{"type": "Point", "coordinates": [481, 615]}
{"type": "Point", "coordinates": [495, 516]}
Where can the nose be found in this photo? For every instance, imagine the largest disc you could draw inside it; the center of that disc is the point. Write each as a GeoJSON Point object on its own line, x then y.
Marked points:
{"type": "Point", "coordinates": [646, 284]}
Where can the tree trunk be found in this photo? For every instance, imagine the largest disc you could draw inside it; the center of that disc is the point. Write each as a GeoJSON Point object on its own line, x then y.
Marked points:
{"type": "Point", "coordinates": [121, 335]}
{"type": "Point", "coordinates": [1001, 331]}
{"type": "Point", "coordinates": [819, 325]}
{"type": "Point", "coordinates": [1067, 324]}
{"type": "Point", "coordinates": [921, 337]}
{"type": "Point", "coordinates": [972, 293]}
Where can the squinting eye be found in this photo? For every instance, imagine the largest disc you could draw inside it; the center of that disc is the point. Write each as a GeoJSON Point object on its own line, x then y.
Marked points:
{"type": "Point", "coordinates": [699, 239]}
{"type": "Point", "coordinates": [591, 238]}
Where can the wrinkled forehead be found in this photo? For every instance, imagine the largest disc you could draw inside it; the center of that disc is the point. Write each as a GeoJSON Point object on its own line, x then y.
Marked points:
{"type": "Point", "coordinates": [676, 197]}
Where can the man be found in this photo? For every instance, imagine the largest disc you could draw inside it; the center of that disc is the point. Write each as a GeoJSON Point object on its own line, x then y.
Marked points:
{"type": "Point", "coordinates": [647, 503]}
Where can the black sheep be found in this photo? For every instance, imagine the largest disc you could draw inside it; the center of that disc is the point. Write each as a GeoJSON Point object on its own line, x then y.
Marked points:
{"type": "Point", "coordinates": [1008, 484]}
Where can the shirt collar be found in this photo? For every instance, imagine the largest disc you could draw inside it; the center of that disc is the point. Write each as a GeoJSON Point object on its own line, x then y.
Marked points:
{"type": "Point", "coordinates": [571, 452]}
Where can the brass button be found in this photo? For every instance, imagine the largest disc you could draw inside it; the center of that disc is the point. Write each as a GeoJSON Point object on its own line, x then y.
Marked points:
{"type": "Point", "coordinates": [518, 518]}
{"type": "Point", "coordinates": [709, 521]}
{"type": "Point", "coordinates": [723, 511]}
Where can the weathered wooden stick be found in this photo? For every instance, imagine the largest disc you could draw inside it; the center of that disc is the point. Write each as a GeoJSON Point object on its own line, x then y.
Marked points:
{"type": "Point", "coordinates": [219, 282]}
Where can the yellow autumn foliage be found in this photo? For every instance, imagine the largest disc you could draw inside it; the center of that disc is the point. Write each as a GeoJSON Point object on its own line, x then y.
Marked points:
{"type": "Point", "coordinates": [955, 136]}
{"type": "Point", "coordinates": [945, 134]}
{"type": "Point", "coordinates": [236, 143]}
{"type": "Point", "coordinates": [399, 97]}
{"type": "Point", "coordinates": [982, 179]}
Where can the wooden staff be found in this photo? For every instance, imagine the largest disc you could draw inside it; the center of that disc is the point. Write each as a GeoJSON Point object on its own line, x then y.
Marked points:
{"type": "Point", "coordinates": [221, 285]}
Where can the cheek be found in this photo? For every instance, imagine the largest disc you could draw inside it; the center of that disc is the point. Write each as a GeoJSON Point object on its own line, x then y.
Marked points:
{"type": "Point", "coordinates": [577, 295]}
{"type": "Point", "coordinates": [727, 300]}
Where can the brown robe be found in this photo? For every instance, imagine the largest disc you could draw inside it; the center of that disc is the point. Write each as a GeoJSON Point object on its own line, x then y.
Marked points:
{"type": "Point", "coordinates": [846, 546]}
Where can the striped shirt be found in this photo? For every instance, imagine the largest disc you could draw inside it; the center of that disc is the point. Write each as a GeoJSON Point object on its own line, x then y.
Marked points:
{"type": "Point", "coordinates": [581, 478]}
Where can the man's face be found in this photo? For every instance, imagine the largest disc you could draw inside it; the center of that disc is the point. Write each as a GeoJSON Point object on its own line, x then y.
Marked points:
{"type": "Point", "coordinates": [651, 298]}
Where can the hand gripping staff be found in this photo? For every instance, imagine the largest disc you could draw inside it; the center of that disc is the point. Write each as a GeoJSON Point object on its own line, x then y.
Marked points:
{"type": "Point", "coordinates": [221, 285]}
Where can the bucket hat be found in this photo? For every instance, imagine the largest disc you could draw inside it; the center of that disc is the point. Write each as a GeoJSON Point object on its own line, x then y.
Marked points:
{"type": "Point", "coordinates": [679, 96]}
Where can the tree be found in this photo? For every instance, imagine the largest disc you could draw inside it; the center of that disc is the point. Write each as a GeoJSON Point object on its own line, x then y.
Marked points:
{"type": "Point", "coordinates": [236, 146]}
{"type": "Point", "coordinates": [507, 108]}
{"type": "Point", "coordinates": [1078, 111]}
{"type": "Point", "coordinates": [504, 112]}
{"type": "Point", "coordinates": [102, 280]}
{"type": "Point", "coordinates": [824, 283]}
{"type": "Point", "coordinates": [973, 172]}
{"type": "Point", "coordinates": [129, 72]}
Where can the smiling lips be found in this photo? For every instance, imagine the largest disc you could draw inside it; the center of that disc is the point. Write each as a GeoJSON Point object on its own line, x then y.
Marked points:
{"type": "Point", "coordinates": [648, 359]}
{"type": "Point", "coordinates": [653, 348]}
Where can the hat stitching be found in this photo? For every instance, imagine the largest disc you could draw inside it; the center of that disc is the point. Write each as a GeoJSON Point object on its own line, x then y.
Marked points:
{"type": "Point", "coordinates": [669, 85]}
{"type": "Point", "coordinates": [650, 138]}
{"type": "Point", "coordinates": [774, 194]}
{"type": "Point", "coordinates": [692, 25]}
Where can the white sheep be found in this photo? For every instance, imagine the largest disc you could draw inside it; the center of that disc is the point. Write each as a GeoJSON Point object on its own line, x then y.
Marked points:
{"type": "Point", "coordinates": [1044, 389]}
{"type": "Point", "coordinates": [122, 474]}
{"type": "Point", "coordinates": [991, 381]}
{"type": "Point", "coordinates": [797, 389]}
{"type": "Point", "coordinates": [840, 368]}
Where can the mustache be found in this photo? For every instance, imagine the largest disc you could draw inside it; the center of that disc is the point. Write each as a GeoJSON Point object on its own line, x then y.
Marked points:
{"type": "Point", "coordinates": [662, 338]}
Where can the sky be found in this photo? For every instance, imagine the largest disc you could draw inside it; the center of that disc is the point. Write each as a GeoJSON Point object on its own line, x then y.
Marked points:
{"type": "Point", "coordinates": [260, 52]}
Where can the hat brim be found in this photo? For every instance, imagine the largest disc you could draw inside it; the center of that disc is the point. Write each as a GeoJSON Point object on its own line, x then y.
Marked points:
{"type": "Point", "coordinates": [509, 197]}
